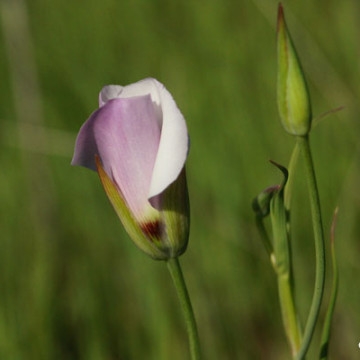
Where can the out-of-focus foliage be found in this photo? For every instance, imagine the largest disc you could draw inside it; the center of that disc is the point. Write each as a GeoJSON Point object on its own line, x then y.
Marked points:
{"type": "Point", "coordinates": [72, 285]}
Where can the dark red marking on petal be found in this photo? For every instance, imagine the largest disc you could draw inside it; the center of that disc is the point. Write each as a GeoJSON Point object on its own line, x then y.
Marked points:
{"type": "Point", "coordinates": [151, 229]}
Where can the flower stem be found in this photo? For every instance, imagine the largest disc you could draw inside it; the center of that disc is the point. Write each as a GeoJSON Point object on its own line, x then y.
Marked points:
{"type": "Point", "coordinates": [289, 186]}
{"type": "Point", "coordinates": [179, 282]}
{"type": "Point", "coordinates": [289, 314]}
{"type": "Point", "coordinates": [283, 266]}
{"type": "Point", "coordinates": [319, 247]}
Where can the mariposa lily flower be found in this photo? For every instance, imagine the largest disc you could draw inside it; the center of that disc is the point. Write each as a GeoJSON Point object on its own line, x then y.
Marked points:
{"type": "Point", "coordinates": [138, 143]}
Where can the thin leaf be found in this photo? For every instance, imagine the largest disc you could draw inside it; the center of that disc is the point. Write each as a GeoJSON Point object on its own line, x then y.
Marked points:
{"type": "Point", "coordinates": [325, 338]}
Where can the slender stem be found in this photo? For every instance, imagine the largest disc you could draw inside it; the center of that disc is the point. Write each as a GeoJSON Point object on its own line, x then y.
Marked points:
{"type": "Point", "coordinates": [329, 315]}
{"type": "Point", "coordinates": [292, 169]}
{"type": "Point", "coordinates": [319, 248]}
{"type": "Point", "coordinates": [289, 314]}
{"type": "Point", "coordinates": [179, 282]}
{"type": "Point", "coordinates": [287, 202]}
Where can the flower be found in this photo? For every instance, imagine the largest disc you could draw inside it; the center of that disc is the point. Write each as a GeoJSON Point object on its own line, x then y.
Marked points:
{"type": "Point", "coordinates": [138, 142]}
{"type": "Point", "coordinates": [292, 91]}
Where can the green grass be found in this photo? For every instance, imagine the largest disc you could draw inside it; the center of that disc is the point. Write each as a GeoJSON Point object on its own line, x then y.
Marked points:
{"type": "Point", "coordinates": [72, 285]}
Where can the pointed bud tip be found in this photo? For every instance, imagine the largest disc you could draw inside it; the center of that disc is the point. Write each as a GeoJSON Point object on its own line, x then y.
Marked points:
{"type": "Point", "coordinates": [280, 167]}
{"type": "Point", "coordinates": [280, 19]}
{"type": "Point", "coordinates": [284, 170]}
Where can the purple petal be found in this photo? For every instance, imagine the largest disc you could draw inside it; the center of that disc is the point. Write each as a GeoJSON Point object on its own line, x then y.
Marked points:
{"type": "Point", "coordinates": [174, 142]}
{"type": "Point", "coordinates": [125, 134]}
{"type": "Point", "coordinates": [143, 87]}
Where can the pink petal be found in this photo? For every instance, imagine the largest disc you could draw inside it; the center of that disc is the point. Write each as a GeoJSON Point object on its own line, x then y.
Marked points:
{"type": "Point", "coordinates": [174, 142]}
{"type": "Point", "coordinates": [125, 134]}
{"type": "Point", "coordinates": [143, 87]}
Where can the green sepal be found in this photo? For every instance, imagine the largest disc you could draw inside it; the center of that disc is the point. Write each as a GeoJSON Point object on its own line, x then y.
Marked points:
{"type": "Point", "coordinates": [175, 213]}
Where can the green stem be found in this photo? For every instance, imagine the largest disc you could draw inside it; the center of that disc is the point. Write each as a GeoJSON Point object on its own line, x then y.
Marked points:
{"type": "Point", "coordinates": [319, 247]}
{"type": "Point", "coordinates": [179, 282]}
{"type": "Point", "coordinates": [289, 314]}
{"type": "Point", "coordinates": [329, 315]}
{"type": "Point", "coordinates": [291, 168]}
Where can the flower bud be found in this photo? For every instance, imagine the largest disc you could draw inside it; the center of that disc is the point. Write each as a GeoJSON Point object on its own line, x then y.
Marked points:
{"type": "Point", "coordinates": [292, 92]}
{"type": "Point", "coordinates": [138, 143]}
{"type": "Point", "coordinates": [261, 204]}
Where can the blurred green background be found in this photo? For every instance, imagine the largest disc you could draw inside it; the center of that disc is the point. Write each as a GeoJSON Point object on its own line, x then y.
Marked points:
{"type": "Point", "coordinates": [72, 284]}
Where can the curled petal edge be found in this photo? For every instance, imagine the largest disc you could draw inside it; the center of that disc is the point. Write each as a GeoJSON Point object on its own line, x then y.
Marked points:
{"type": "Point", "coordinates": [173, 146]}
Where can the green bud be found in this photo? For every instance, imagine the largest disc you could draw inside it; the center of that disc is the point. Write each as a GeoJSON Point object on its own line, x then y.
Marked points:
{"type": "Point", "coordinates": [261, 204]}
{"type": "Point", "coordinates": [292, 92]}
